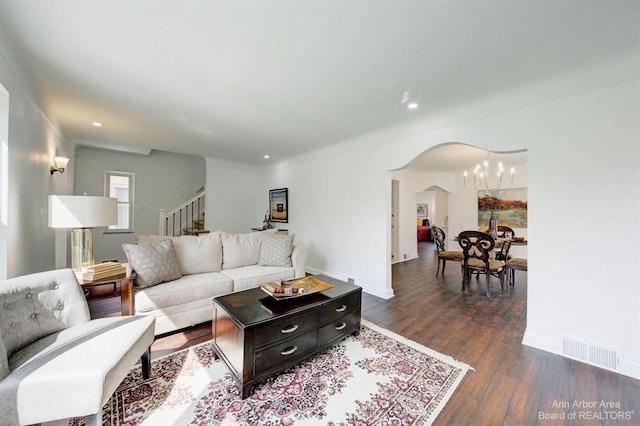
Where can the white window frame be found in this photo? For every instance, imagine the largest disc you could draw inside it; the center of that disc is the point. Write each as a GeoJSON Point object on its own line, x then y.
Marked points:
{"type": "Point", "coordinates": [130, 202]}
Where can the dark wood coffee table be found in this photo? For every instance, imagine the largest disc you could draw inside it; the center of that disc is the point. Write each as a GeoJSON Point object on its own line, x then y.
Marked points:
{"type": "Point", "coordinates": [258, 336]}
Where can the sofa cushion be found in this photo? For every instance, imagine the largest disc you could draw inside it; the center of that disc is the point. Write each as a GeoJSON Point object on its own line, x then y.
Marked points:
{"type": "Point", "coordinates": [254, 275]}
{"type": "Point", "coordinates": [185, 289]}
{"type": "Point", "coordinates": [240, 249]}
{"type": "Point", "coordinates": [154, 262]}
{"type": "Point", "coordinates": [196, 254]}
{"type": "Point", "coordinates": [276, 249]}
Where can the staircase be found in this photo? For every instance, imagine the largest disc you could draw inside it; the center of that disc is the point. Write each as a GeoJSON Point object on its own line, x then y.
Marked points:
{"type": "Point", "coordinates": [197, 228]}
{"type": "Point", "coordinates": [186, 219]}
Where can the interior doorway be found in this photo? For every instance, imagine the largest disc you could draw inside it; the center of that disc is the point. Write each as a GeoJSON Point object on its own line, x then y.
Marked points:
{"type": "Point", "coordinates": [454, 207]}
{"type": "Point", "coordinates": [395, 236]}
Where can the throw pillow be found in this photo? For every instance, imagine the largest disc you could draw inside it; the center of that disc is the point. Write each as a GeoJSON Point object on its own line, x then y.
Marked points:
{"type": "Point", "coordinates": [154, 263]}
{"type": "Point", "coordinates": [196, 254]}
{"type": "Point", "coordinates": [240, 249]}
{"type": "Point", "coordinates": [276, 250]}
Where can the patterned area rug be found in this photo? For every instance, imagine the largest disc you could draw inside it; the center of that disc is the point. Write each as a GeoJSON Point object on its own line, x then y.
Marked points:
{"type": "Point", "coordinates": [375, 378]}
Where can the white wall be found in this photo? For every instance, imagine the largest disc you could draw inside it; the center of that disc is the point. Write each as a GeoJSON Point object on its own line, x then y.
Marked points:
{"type": "Point", "coordinates": [163, 180]}
{"type": "Point", "coordinates": [582, 153]}
{"type": "Point", "coordinates": [32, 144]}
{"type": "Point", "coordinates": [441, 215]}
{"type": "Point", "coordinates": [237, 198]}
{"type": "Point", "coordinates": [340, 210]}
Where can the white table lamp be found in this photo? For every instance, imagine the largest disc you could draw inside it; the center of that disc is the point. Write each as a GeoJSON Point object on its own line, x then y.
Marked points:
{"type": "Point", "coordinates": [82, 213]}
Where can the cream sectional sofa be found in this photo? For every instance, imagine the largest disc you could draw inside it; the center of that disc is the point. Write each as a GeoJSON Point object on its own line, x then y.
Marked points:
{"type": "Point", "coordinates": [177, 277]}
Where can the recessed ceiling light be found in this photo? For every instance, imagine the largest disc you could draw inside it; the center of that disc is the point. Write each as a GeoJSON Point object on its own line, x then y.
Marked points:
{"type": "Point", "coordinates": [406, 99]}
{"type": "Point", "coordinates": [267, 156]}
{"type": "Point", "coordinates": [96, 124]}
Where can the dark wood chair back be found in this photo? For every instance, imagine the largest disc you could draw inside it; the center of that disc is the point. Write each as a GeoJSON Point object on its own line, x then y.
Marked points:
{"type": "Point", "coordinates": [439, 237]}
{"type": "Point", "coordinates": [503, 253]}
{"type": "Point", "coordinates": [476, 245]}
{"type": "Point", "coordinates": [502, 229]}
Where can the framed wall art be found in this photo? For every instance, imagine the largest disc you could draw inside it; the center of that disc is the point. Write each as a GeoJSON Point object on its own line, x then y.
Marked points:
{"type": "Point", "coordinates": [279, 205]}
{"type": "Point", "coordinates": [423, 210]}
{"type": "Point", "coordinates": [509, 206]}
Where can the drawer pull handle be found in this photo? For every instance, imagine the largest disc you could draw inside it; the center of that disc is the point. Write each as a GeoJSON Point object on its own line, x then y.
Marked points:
{"type": "Point", "coordinates": [341, 308]}
{"type": "Point", "coordinates": [290, 329]}
{"type": "Point", "coordinates": [289, 350]}
{"type": "Point", "coordinates": [341, 326]}
{"type": "Point", "coordinates": [86, 291]}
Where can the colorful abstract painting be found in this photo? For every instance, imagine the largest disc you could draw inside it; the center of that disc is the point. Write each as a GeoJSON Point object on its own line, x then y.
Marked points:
{"type": "Point", "coordinates": [508, 205]}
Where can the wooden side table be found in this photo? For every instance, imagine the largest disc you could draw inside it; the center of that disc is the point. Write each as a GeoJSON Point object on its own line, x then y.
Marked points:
{"type": "Point", "coordinates": [113, 287]}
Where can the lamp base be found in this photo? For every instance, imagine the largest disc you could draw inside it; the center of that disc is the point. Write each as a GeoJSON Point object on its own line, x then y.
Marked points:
{"type": "Point", "coordinates": [82, 248]}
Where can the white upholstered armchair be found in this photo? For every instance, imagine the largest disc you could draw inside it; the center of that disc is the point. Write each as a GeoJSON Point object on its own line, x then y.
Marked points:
{"type": "Point", "coordinates": [55, 362]}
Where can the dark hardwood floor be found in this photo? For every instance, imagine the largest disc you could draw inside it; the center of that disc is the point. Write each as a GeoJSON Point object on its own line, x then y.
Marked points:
{"type": "Point", "coordinates": [512, 384]}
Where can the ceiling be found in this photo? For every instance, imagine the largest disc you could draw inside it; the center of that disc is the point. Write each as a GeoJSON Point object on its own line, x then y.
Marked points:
{"type": "Point", "coordinates": [237, 79]}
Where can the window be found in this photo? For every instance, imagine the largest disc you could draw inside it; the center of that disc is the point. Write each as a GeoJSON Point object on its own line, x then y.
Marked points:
{"type": "Point", "coordinates": [119, 185]}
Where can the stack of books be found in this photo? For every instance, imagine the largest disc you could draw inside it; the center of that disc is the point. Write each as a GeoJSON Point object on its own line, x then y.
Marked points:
{"type": "Point", "coordinates": [102, 271]}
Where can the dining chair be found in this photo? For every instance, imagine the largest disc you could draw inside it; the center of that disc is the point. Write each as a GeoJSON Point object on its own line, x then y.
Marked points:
{"type": "Point", "coordinates": [439, 237]}
{"type": "Point", "coordinates": [504, 229]}
{"type": "Point", "coordinates": [477, 248]}
{"type": "Point", "coordinates": [502, 253]}
{"type": "Point", "coordinates": [514, 264]}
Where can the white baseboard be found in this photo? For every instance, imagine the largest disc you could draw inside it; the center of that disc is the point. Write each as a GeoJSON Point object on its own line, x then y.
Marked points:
{"type": "Point", "coordinates": [409, 257]}
{"type": "Point", "coordinates": [547, 345]}
{"type": "Point", "coordinates": [386, 294]}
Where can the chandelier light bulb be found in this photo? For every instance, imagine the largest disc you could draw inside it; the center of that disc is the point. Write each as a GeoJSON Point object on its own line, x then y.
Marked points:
{"type": "Point", "coordinates": [482, 176]}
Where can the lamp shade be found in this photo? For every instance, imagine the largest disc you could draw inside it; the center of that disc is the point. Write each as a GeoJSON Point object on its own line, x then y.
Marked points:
{"type": "Point", "coordinates": [81, 211]}
{"type": "Point", "coordinates": [61, 162]}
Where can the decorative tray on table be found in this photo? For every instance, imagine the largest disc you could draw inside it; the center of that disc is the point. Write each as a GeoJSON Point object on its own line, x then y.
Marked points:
{"type": "Point", "coordinates": [294, 288]}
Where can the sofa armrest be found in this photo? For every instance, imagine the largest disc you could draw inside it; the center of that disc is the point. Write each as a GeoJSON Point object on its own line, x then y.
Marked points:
{"type": "Point", "coordinates": [299, 261]}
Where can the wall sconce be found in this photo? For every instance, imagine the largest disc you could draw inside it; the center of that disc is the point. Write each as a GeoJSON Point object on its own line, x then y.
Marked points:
{"type": "Point", "coordinates": [60, 164]}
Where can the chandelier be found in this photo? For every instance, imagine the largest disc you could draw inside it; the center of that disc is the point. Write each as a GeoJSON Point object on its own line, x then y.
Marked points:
{"type": "Point", "coordinates": [482, 180]}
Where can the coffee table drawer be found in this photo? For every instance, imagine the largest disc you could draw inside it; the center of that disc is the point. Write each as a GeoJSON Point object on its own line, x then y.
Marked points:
{"type": "Point", "coordinates": [287, 328]}
{"type": "Point", "coordinates": [340, 307]}
{"type": "Point", "coordinates": [284, 351]}
{"type": "Point", "coordinates": [340, 327]}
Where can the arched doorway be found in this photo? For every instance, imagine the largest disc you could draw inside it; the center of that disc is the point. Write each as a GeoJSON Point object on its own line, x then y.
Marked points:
{"type": "Point", "coordinates": [456, 208]}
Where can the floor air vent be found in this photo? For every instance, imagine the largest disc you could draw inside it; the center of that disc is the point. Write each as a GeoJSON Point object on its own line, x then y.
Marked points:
{"type": "Point", "coordinates": [575, 349]}
{"type": "Point", "coordinates": [593, 354]}
{"type": "Point", "coordinates": [604, 357]}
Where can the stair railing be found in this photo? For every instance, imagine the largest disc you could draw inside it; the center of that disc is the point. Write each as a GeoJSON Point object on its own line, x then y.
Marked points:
{"type": "Point", "coordinates": [185, 216]}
